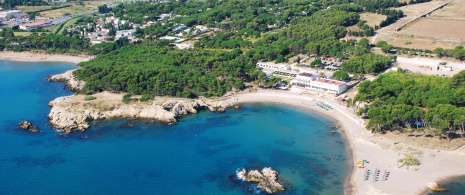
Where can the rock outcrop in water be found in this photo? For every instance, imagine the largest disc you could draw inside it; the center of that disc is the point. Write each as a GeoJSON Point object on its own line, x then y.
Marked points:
{"type": "Point", "coordinates": [435, 187]}
{"type": "Point", "coordinates": [73, 113]}
{"type": "Point", "coordinates": [267, 179]}
{"type": "Point", "coordinates": [26, 125]}
{"type": "Point", "coordinates": [68, 77]}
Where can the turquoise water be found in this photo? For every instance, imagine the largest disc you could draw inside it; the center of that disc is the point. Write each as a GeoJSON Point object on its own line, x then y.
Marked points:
{"type": "Point", "coordinates": [198, 155]}
{"type": "Point", "coordinates": [454, 187]}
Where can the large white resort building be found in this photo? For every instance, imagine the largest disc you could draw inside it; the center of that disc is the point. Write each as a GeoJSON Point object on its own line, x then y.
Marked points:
{"type": "Point", "coordinates": [313, 81]}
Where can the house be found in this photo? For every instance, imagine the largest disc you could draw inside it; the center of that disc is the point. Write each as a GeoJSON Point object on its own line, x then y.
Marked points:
{"type": "Point", "coordinates": [125, 33]}
{"type": "Point", "coordinates": [34, 25]}
{"type": "Point", "coordinates": [184, 46]}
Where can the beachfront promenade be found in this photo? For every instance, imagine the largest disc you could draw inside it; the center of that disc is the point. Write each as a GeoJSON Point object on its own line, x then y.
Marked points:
{"type": "Point", "coordinates": [381, 152]}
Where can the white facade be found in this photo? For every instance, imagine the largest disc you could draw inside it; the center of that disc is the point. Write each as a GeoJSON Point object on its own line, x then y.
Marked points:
{"type": "Point", "coordinates": [125, 33]}
{"type": "Point", "coordinates": [314, 82]}
{"type": "Point", "coordinates": [270, 65]}
{"type": "Point", "coordinates": [304, 79]}
{"type": "Point", "coordinates": [10, 14]}
{"type": "Point", "coordinates": [330, 86]}
{"type": "Point", "coordinates": [34, 25]}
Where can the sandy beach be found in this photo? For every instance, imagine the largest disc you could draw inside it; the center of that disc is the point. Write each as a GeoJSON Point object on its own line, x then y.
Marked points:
{"type": "Point", "coordinates": [382, 153]}
{"type": "Point", "coordinates": [40, 57]}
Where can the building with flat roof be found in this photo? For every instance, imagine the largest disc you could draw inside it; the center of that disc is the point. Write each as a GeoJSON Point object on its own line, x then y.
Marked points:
{"type": "Point", "coordinates": [10, 14]}
{"type": "Point", "coordinates": [34, 25]}
{"type": "Point", "coordinates": [304, 79]}
{"type": "Point", "coordinates": [314, 82]}
{"type": "Point", "coordinates": [125, 33]}
{"type": "Point", "coordinates": [271, 65]}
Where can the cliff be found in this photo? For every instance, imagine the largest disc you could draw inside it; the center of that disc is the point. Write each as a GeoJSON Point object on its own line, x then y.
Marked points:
{"type": "Point", "coordinates": [73, 113]}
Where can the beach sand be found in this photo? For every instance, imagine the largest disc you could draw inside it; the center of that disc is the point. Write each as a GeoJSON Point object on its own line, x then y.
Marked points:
{"type": "Point", "coordinates": [381, 152]}
{"type": "Point", "coordinates": [41, 57]}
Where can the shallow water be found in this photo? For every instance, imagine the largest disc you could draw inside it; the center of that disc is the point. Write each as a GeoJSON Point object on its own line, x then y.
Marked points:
{"type": "Point", "coordinates": [198, 155]}
{"type": "Point", "coordinates": [454, 186]}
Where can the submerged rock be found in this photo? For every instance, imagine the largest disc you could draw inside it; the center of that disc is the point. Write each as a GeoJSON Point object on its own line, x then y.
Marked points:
{"type": "Point", "coordinates": [26, 125]}
{"type": "Point", "coordinates": [267, 179]}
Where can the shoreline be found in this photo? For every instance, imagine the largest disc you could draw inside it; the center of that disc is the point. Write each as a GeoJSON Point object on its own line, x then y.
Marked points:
{"type": "Point", "coordinates": [380, 151]}
{"type": "Point", "coordinates": [443, 180]}
{"type": "Point", "coordinates": [41, 57]}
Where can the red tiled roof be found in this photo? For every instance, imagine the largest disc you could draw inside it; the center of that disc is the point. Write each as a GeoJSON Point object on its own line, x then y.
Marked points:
{"type": "Point", "coordinates": [306, 74]}
{"type": "Point", "coordinates": [38, 23]}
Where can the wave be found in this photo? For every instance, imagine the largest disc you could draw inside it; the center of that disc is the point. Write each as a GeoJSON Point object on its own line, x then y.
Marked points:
{"type": "Point", "coordinates": [240, 174]}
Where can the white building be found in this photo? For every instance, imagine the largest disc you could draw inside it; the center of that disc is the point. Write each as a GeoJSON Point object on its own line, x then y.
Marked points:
{"type": "Point", "coordinates": [330, 86]}
{"type": "Point", "coordinates": [304, 79]}
{"type": "Point", "coordinates": [184, 46]}
{"type": "Point", "coordinates": [314, 82]}
{"type": "Point", "coordinates": [270, 65]}
{"type": "Point", "coordinates": [10, 14]}
{"type": "Point", "coordinates": [125, 33]}
{"type": "Point", "coordinates": [34, 25]}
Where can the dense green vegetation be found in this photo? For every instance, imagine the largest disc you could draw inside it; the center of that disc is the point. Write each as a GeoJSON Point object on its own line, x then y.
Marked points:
{"type": "Point", "coordinates": [50, 43]}
{"type": "Point", "coordinates": [10, 4]}
{"type": "Point", "coordinates": [166, 71]}
{"type": "Point", "coordinates": [414, 102]}
{"type": "Point", "coordinates": [367, 63]}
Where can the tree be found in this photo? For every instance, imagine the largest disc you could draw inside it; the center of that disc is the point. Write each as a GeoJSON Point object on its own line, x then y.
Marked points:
{"type": "Point", "coordinates": [386, 48]}
{"type": "Point", "coordinates": [340, 75]}
{"type": "Point", "coordinates": [316, 62]}
{"type": "Point", "coordinates": [458, 80]}
{"type": "Point", "coordinates": [381, 44]}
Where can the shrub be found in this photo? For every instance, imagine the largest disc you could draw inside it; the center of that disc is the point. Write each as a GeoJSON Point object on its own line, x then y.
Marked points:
{"type": "Point", "coordinates": [146, 97]}
{"type": "Point", "coordinates": [89, 97]}
{"type": "Point", "coordinates": [126, 98]}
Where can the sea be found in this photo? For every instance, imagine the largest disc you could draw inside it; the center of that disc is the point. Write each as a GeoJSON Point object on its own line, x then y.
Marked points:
{"type": "Point", "coordinates": [198, 155]}
{"type": "Point", "coordinates": [454, 186]}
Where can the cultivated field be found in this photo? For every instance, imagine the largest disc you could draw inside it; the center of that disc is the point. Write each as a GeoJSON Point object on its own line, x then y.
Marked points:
{"type": "Point", "coordinates": [455, 10]}
{"type": "Point", "coordinates": [442, 28]}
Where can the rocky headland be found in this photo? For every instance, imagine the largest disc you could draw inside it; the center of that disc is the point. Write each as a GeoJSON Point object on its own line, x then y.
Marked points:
{"type": "Point", "coordinates": [73, 83]}
{"type": "Point", "coordinates": [267, 179]}
{"type": "Point", "coordinates": [73, 113]}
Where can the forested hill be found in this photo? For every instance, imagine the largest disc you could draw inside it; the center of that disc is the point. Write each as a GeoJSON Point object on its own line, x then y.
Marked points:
{"type": "Point", "coordinates": [165, 71]}
{"type": "Point", "coordinates": [415, 102]}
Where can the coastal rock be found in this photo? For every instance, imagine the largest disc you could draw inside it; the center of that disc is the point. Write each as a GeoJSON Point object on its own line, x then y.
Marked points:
{"type": "Point", "coordinates": [217, 106]}
{"type": "Point", "coordinates": [435, 187]}
{"type": "Point", "coordinates": [267, 179]}
{"type": "Point", "coordinates": [71, 113]}
{"type": "Point", "coordinates": [68, 77]}
{"type": "Point", "coordinates": [26, 125]}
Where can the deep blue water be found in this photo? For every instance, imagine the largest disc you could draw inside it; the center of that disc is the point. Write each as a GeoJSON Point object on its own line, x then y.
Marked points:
{"type": "Point", "coordinates": [198, 155]}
